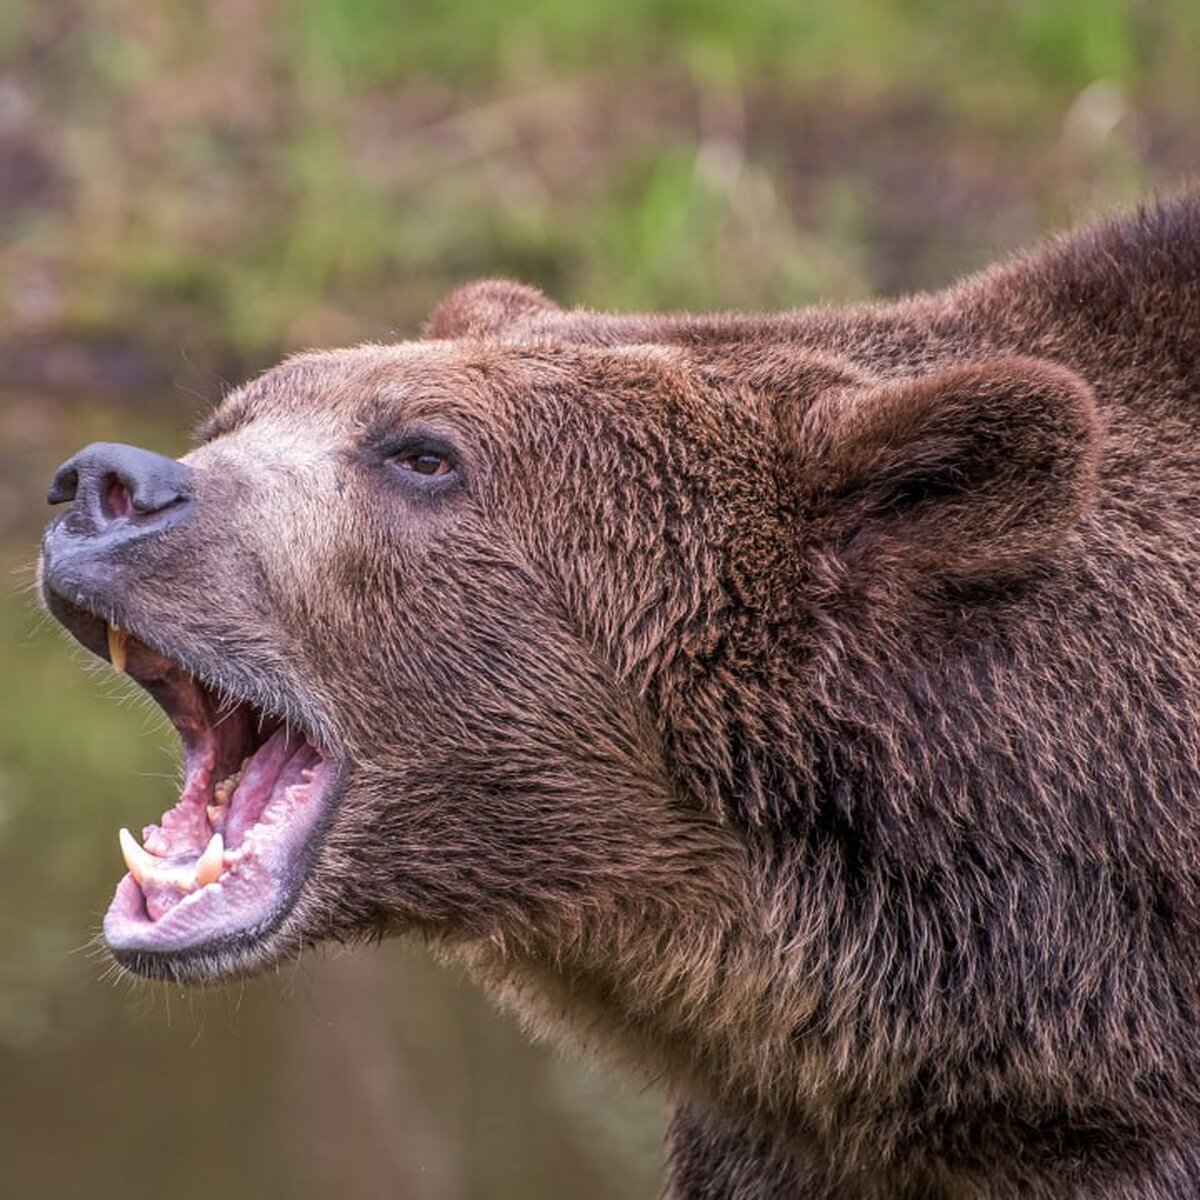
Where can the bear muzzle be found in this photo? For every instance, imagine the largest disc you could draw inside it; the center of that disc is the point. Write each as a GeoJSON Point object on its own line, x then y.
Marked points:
{"type": "Point", "coordinates": [119, 496]}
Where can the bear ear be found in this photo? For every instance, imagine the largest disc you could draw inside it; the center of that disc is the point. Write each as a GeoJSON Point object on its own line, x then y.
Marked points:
{"type": "Point", "coordinates": [971, 472]}
{"type": "Point", "coordinates": [487, 307]}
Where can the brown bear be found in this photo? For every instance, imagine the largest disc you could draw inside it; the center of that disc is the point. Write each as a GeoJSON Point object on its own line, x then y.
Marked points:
{"type": "Point", "coordinates": [803, 710]}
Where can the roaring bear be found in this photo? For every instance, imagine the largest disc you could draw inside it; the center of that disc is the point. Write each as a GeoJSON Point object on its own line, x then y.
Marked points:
{"type": "Point", "coordinates": [800, 709]}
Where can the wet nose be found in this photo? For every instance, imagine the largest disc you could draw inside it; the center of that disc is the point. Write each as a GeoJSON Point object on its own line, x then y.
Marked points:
{"type": "Point", "coordinates": [109, 483]}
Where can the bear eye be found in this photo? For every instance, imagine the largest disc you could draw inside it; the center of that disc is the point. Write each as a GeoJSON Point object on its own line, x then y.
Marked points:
{"type": "Point", "coordinates": [423, 462]}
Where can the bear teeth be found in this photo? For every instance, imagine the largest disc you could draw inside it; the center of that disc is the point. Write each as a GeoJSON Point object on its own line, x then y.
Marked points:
{"type": "Point", "coordinates": [218, 811]}
{"type": "Point", "coordinates": [210, 864]}
{"type": "Point", "coordinates": [148, 868]}
{"type": "Point", "coordinates": [118, 648]}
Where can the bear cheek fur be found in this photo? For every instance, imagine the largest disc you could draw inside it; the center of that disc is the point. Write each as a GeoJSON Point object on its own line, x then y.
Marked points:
{"type": "Point", "coordinates": [503, 786]}
{"type": "Point", "coordinates": [656, 529]}
{"type": "Point", "coordinates": [999, 456]}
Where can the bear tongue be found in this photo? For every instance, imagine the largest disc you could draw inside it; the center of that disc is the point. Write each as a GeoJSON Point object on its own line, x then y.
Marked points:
{"type": "Point", "coordinates": [274, 767]}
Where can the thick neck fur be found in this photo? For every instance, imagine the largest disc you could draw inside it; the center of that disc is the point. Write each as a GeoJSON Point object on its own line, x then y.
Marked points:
{"type": "Point", "coordinates": [894, 983]}
{"type": "Point", "coordinates": [927, 807]}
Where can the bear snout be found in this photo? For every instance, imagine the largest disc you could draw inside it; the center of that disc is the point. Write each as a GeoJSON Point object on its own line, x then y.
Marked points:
{"type": "Point", "coordinates": [118, 495]}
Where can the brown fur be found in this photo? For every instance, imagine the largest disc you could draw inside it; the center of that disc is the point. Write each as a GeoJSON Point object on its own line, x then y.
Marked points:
{"type": "Point", "coordinates": [804, 710]}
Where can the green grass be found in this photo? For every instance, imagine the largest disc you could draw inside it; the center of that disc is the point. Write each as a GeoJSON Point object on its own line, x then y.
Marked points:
{"type": "Point", "coordinates": [324, 170]}
{"type": "Point", "coordinates": [367, 43]}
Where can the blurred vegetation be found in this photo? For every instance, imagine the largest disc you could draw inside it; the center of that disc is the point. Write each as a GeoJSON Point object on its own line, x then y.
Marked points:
{"type": "Point", "coordinates": [224, 180]}
{"type": "Point", "coordinates": [188, 190]}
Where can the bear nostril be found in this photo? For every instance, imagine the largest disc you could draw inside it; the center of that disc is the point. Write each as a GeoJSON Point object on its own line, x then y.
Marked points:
{"type": "Point", "coordinates": [63, 486]}
{"type": "Point", "coordinates": [117, 501]}
{"type": "Point", "coordinates": [108, 482]}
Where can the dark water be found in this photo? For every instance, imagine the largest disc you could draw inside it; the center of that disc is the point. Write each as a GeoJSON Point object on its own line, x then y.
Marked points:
{"type": "Point", "coordinates": [365, 1074]}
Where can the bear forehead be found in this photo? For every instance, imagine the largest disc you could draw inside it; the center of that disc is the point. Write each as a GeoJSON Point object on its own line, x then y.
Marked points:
{"type": "Point", "coordinates": [334, 391]}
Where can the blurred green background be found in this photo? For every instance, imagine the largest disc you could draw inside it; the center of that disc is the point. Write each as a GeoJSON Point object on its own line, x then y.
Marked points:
{"type": "Point", "coordinates": [188, 190]}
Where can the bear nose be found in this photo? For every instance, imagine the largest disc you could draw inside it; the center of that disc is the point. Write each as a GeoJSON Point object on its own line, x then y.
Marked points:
{"type": "Point", "coordinates": [108, 482]}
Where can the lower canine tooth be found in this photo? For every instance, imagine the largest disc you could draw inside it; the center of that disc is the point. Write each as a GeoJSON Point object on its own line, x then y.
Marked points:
{"type": "Point", "coordinates": [141, 863]}
{"type": "Point", "coordinates": [118, 642]}
{"type": "Point", "coordinates": [209, 864]}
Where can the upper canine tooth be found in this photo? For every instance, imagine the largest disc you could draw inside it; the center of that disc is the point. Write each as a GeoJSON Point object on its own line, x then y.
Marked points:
{"type": "Point", "coordinates": [118, 642]}
{"type": "Point", "coordinates": [210, 863]}
{"type": "Point", "coordinates": [141, 863]}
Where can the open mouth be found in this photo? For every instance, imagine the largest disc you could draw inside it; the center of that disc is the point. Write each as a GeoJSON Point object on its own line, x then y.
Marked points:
{"type": "Point", "coordinates": [225, 864]}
